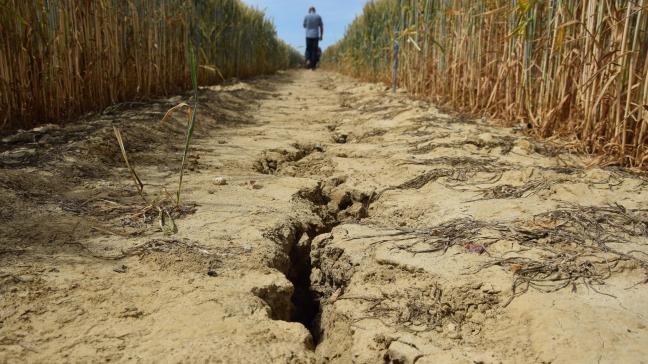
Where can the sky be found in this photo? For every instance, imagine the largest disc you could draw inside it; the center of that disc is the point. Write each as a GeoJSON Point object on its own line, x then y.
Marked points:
{"type": "Point", "coordinates": [288, 17]}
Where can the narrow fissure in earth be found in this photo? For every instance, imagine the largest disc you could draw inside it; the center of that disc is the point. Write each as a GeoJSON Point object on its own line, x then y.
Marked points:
{"type": "Point", "coordinates": [306, 303]}
{"type": "Point", "coordinates": [329, 204]}
{"type": "Point", "coordinates": [334, 205]}
{"type": "Point", "coordinates": [307, 309]}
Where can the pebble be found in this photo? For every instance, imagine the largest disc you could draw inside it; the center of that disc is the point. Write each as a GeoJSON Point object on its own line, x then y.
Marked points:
{"type": "Point", "coordinates": [254, 185]}
{"type": "Point", "coordinates": [220, 181]}
{"type": "Point", "coordinates": [452, 332]}
{"type": "Point", "coordinates": [340, 138]}
{"type": "Point", "coordinates": [400, 352]}
{"type": "Point", "coordinates": [120, 269]}
{"type": "Point", "coordinates": [524, 145]}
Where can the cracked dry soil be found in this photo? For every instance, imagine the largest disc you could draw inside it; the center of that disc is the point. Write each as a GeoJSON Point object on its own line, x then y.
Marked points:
{"type": "Point", "coordinates": [323, 220]}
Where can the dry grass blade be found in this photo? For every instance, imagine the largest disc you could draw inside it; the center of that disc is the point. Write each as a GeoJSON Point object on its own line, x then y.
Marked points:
{"type": "Point", "coordinates": [167, 224]}
{"type": "Point", "coordinates": [507, 191]}
{"type": "Point", "coordinates": [136, 179]}
{"type": "Point", "coordinates": [172, 110]}
{"type": "Point", "coordinates": [552, 273]}
{"type": "Point", "coordinates": [565, 248]}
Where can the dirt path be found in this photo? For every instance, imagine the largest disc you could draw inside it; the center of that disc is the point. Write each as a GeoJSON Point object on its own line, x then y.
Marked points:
{"type": "Point", "coordinates": [354, 226]}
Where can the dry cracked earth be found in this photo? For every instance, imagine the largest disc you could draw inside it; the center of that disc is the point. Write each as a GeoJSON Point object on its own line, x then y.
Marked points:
{"type": "Point", "coordinates": [321, 220]}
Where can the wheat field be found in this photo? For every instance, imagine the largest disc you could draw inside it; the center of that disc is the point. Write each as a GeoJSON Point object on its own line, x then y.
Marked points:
{"type": "Point", "coordinates": [569, 68]}
{"type": "Point", "coordinates": [63, 58]}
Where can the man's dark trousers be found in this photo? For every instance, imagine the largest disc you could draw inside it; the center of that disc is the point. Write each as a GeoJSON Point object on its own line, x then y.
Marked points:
{"type": "Point", "coordinates": [311, 51]}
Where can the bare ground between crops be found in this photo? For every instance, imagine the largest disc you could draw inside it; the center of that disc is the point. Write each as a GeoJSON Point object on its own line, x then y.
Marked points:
{"type": "Point", "coordinates": [355, 226]}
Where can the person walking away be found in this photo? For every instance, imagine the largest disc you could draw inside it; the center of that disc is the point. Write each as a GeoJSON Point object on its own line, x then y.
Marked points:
{"type": "Point", "coordinates": [314, 33]}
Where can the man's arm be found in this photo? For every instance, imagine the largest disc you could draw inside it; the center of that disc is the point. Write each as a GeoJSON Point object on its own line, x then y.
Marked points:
{"type": "Point", "coordinates": [321, 26]}
{"type": "Point", "coordinates": [304, 22]}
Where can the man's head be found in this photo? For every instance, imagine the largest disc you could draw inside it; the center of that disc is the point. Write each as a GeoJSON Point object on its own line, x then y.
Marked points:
{"type": "Point", "coordinates": [311, 10]}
